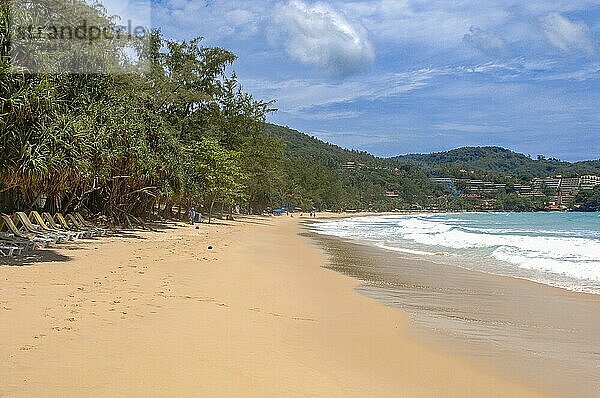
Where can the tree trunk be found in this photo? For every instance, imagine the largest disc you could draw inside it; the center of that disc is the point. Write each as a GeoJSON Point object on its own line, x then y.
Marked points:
{"type": "Point", "coordinates": [212, 204]}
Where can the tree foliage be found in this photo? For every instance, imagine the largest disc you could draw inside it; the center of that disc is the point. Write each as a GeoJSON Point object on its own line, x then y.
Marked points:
{"type": "Point", "coordinates": [588, 200]}
{"type": "Point", "coordinates": [175, 129]}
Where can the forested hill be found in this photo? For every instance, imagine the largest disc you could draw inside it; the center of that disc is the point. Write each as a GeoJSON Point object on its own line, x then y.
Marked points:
{"type": "Point", "coordinates": [328, 176]}
{"type": "Point", "coordinates": [491, 160]}
{"type": "Point", "coordinates": [499, 161]}
{"type": "Point", "coordinates": [298, 144]}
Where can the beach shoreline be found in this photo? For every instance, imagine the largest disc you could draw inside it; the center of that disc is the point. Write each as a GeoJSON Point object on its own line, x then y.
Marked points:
{"type": "Point", "coordinates": [161, 314]}
{"type": "Point", "coordinates": [523, 329]}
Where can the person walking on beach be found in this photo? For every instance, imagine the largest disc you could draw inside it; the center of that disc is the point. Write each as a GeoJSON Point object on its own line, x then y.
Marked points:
{"type": "Point", "coordinates": [192, 215]}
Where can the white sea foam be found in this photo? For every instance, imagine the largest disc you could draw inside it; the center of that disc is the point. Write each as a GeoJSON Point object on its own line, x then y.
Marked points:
{"type": "Point", "coordinates": [552, 249]}
{"type": "Point", "coordinates": [403, 250]}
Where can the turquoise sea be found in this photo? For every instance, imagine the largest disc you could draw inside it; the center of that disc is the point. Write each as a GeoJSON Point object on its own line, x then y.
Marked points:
{"type": "Point", "coordinates": [557, 249]}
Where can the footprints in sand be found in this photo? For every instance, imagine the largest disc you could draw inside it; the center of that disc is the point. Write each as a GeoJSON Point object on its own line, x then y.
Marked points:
{"type": "Point", "coordinates": [61, 328]}
{"type": "Point", "coordinates": [117, 294]}
{"type": "Point", "coordinates": [137, 286]}
{"type": "Point", "coordinates": [304, 319]}
{"type": "Point", "coordinates": [4, 306]}
{"type": "Point", "coordinates": [211, 300]}
{"type": "Point", "coordinates": [30, 347]}
{"type": "Point", "coordinates": [276, 315]}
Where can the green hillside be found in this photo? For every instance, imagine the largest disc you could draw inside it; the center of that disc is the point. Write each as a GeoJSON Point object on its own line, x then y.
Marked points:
{"type": "Point", "coordinates": [317, 177]}
{"type": "Point", "coordinates": [492, 161]}
{"type": "Point", "coordinates": [317, 174]}
{"type": "Point", "coordinates": [302, 145]}
{"type": "Point", "coordinates": [499, 163]}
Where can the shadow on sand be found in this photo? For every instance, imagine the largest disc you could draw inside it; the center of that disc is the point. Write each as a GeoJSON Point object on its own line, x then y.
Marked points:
{"type": "Point", "coordinates": [34, 257]}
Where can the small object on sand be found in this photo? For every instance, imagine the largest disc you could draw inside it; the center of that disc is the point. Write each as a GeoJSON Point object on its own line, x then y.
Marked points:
{"type": "Point", "coordinates": [210, 248]}
{"type": "Point", "coordinates": [197, 227]}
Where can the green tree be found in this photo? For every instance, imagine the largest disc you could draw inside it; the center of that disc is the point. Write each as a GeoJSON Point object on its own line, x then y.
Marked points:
{"type": "Point", "coordinates": [214, 173]}
{"type": "Point", "coordinates": [588, 200]}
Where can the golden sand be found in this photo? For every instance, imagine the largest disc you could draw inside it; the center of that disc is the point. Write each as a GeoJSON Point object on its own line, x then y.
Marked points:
{"type": "Point", "coordinates": [158, 314]}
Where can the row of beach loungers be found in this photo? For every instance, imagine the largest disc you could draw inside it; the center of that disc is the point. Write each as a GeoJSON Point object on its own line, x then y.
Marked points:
{"type": "Point", "coordinates": [20, 233]}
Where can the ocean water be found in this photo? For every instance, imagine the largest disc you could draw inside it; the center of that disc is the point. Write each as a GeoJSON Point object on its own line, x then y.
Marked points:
{"type": "Point", "coordinates": [557, 249]}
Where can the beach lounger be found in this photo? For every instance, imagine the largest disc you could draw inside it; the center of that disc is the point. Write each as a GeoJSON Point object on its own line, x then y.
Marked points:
{"type": "Point", "coordinates": [72, 220]}
{"type": "Point", "coordinates": [8, 249]}
{"type": "Point", "coordinates": [53, 224]}
{"type": "Point", "coordinates": [60, 219]}
{"type": "Point", "coordinates": [10, 230]}
{"type": "Point", "coordinates": [21, 218]}
{"type": "Point", "coordinates": [8, 239]}
{"type": "Point", "coordinates": [85, 223]}
{"type": "Point", "coordinates": [37, 220]}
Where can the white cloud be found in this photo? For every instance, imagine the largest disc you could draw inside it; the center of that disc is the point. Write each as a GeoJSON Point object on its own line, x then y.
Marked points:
{"type": "Point", "coordinates": [485, 41]}
{"type": "Point", "coordinates": [583, 73]}
{"type": "Point", "coordinates": [319, 35]}
{"type": "Point", "coordinates": [134, 12]}
{"type": "Point", "coordinates": [433, 23]}
{"type": "Point", "coordinates": [568, 36]}
{"type": "Point", "coordinates": [303, 97]}
{"type": "Point", "coordinates": [328, 115]}
{"type": "Point", "coordinates": [215, 19]}
{"type": "Point", "coordinates": [240, 22]}
{"type": "Point", "coordinates": [470, 128]}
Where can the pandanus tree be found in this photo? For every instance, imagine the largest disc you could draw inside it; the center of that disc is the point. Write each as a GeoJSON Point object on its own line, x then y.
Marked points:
{"type": "Point", "coordinates": [90, 128]}
{"type": "Point", "coordinates": [58, 126]}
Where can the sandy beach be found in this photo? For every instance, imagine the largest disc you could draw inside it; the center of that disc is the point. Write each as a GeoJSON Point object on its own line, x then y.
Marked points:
{"type": "Point", "coordinates": [159, 314]}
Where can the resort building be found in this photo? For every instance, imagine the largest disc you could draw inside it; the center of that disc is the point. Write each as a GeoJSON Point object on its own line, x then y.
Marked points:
{"type": "Point", "coordinates": [522, 189]}
{"type": "Point", "coordinates": [569, 185]}
{"type": "Point", "coordinates": [561, 191]}
{"type": "Point", "coordinates": [549, 183]}
{"type": "Point", "coordinates": [589, 182]}
{"type": "Point", "coordinates": [354, 166]}
{"type": "Point", "coordinates": [482, 186]}
{"type": "Point", "coordinates": [444, 181]}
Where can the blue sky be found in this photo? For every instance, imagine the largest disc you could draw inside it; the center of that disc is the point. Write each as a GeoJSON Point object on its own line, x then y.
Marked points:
{"type": "Point", "coordinates": [403, 76]}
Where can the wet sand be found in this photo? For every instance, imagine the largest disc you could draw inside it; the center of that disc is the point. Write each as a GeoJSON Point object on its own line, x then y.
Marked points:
{"type": "Point", "coordinates": [159, 314]}
{"type": "Point", "coordinates": [526, 331]}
